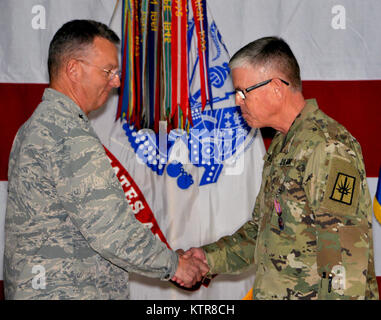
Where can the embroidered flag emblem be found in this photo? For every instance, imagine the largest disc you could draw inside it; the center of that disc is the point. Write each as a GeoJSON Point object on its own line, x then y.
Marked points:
{"type": "Point", "coordinates": [343, 188]}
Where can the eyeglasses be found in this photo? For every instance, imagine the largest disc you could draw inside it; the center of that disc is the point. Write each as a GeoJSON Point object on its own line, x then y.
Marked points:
{"type": "Point", "coordinates": [111, 74]}
{"type": "Point", "coordinates": [242, 95]}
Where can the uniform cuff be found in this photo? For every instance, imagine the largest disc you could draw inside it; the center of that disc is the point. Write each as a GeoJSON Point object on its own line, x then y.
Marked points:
{"type": "Point", "coordinates": [174, 262]}
{"type": "Point", "coordinates": [211, 255]}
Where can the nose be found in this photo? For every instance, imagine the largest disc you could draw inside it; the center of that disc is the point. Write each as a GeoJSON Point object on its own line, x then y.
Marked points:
{"type": "Point", "coordinates": [115, 82]}
{"type": "Point", "coordinates": [238, 99]}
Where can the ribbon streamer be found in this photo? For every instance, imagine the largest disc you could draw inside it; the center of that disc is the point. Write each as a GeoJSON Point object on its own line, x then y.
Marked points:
{"type": "Point", "coordinates": [155, 62]}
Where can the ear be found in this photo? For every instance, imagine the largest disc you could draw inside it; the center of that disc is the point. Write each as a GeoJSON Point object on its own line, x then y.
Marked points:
{"type": "Point", "coordinates": [278, 88]}
{"type": "Point", "coordinates": [73, 70]}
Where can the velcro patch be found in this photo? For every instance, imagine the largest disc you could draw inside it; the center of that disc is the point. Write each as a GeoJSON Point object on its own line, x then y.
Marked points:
{"type": "Point", "coordinates": [342, 190]}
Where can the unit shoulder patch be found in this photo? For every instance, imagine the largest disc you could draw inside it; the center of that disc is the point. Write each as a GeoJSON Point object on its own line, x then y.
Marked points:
{"type": "Point", "coordinates": [341, 194]}
{"type": "Point", "coordinates": [343, 189]}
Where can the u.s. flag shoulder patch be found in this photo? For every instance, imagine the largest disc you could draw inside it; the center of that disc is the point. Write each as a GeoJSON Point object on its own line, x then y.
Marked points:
{"type": "Point", "coordinates": [341, 194]}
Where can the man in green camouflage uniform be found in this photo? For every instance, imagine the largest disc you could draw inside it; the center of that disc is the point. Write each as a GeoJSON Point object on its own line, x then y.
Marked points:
{"type": "Point", "coordinates": [69, 231]}
{"type": "Point", "coordinates": [310, 236]}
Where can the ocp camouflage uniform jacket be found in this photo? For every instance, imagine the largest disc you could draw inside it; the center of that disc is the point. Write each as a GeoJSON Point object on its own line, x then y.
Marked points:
{"type": "Point", "coordinates": [314, 186]}
{"type": "Point", "coordinates": [69, 231]}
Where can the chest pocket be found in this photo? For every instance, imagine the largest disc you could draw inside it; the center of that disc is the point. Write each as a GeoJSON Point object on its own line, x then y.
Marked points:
{"type": "Point", "coordinates": [287, 197]}
{"type": "Point", "coordinates": [291, 181]}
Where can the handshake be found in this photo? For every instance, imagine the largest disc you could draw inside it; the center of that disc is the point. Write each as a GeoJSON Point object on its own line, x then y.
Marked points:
{"type": "Point", "coordinates": [192, 267]}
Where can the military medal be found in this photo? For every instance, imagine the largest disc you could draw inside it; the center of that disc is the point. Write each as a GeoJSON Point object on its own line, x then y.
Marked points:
{"type": "Point", "coordinates": [278, 210]}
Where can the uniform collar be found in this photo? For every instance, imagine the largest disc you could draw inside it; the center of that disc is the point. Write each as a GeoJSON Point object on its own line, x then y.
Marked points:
{"type": "Point", "coordinates": [309, 108]}
{"type": "Point", "coordinates": [281, 142]}
{"type": "Point", "coordinates": [68, 104]}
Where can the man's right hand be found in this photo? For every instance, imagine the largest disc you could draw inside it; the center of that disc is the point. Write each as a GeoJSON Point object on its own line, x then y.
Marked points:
{"type": "Point", "coordinates": [196, 253]}
{"type": "Point", "coordinates": [190, 270]}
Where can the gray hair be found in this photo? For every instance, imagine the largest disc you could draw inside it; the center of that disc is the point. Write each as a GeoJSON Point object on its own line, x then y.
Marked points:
{"type": "Point", "coordinates": [273, 52]}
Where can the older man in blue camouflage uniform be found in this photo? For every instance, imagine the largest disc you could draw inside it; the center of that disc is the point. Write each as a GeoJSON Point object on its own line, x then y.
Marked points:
{"type": "Point", "coordinates": [69, 231]}
{"type": "Point", "coordinates": [310, 236]}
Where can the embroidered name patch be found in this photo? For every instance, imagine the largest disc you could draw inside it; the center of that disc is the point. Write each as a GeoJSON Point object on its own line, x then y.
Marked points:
{"type": "Point", "coordinates": [343, 189]}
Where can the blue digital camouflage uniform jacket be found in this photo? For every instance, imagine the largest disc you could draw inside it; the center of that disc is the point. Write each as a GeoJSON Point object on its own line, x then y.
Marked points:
{"type": "Point", "coordinates": [69, 231]}
{"type": "Point", "coordinates": [310, 236]}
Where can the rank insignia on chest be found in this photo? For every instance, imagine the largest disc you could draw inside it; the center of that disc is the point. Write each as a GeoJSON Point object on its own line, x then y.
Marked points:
{"type": "Point", "coordinates": [343, 189]}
